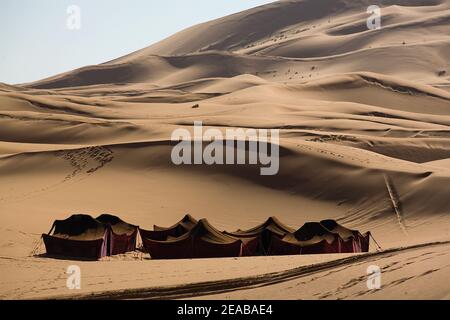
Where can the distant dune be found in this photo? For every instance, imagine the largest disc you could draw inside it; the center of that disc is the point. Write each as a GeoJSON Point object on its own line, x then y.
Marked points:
{"type": "Point", "coordinates": [364, 119]}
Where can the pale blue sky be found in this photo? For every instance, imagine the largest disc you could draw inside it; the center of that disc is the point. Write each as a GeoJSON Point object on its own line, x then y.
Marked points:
{"type": "Point", "coordinates": [35, 42]}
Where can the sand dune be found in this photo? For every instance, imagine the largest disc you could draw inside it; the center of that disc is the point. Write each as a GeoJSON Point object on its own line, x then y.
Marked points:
{"type": "Point", "coordinates": [263, 24]}
{"type": "Point", "coordinates": [364, 120]}
{"type": "Point", "coordinates": [395, 61]}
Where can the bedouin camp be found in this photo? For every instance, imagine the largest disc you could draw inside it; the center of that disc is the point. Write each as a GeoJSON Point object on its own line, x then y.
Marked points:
{"type": "Point", "coordinates": [82, 236]}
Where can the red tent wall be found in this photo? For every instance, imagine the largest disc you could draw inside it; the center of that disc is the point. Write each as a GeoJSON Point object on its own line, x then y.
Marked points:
{"type": "Point", "coordinates": [91, 249]}
{"type": "Point", "coordinates": [350, 246]}
{"type": "Point", "coordinates": [191, 248]}
{"type": "Point", "coordinates": [365, 242]}
{"type": "Point", "coordinates": [279, 247]}
{"type": "Point", "coordinates": [282, 247]}
{"type": "Point", "coordinates": [159, 235]}
{"type": "Point", "coordinates": [203, 249]}
{"type": "Point", "coordinates": [250, 246]}
{"type": "Point", "coordinates": [167, 249]}
{"type": "Point", "coordinates": [322, 247]}
{"type": "Point", "coordinates": [119, 244]}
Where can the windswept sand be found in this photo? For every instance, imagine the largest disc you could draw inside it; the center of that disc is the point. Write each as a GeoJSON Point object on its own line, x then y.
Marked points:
{"type": "Point", "coordinates": [364, 119]}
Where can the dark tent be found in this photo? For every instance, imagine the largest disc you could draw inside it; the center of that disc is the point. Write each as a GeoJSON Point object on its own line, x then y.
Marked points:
{"type": "Point", "coordinates": [315, 238]}
{"type": "Point", "coordinates": [263, 234]}
{"type": "Point", "coordinates": [201, 241]}
{"type": "Point", "coordinates": [175, 231]}
{"type": "Point", "coordinates": [187, 223]}
{"type": "Point", "coordinates": [311, 238]}
{"type": "Point", "coordinates": [122, 237]}
{"type": "Point", "coordinates": [79, 236]}
{"type": "Point", "coordinates": [353, 242]}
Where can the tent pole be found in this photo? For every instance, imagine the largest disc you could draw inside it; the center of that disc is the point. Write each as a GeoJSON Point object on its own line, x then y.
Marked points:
{"type": "Point", "coordinates": [53, 227]}
{"type": "Point", "coordinates": [379, 247]}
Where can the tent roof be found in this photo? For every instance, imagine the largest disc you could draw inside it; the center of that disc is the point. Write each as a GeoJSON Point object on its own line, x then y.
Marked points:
{"type": "Point", "coordinates": [310, 230]}
{"type": "Point", "coordinates": [310, 233]}
{"type": "Point", "coordinates": [314, 232]}
{"type": "Point", "coordinates": [79, 227]}
{"type": "Point", "coordinates": [272, 224]}
{"type": "Point", "coordinates": [205, 231]}
{"type": "Point", "coordinates": [188, 222]}
{"type": "Point", "coordinates": [335, 227]}
{"type": "Point", "coordinates": [118, 226]}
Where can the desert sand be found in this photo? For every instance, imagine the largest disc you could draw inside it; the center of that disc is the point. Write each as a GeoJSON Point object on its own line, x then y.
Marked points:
{"type": "Point", "coordinates": [364, 120]}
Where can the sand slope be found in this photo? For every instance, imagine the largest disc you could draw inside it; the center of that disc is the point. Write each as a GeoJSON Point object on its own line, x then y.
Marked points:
{"type": "Point", "coordinates": [364, 120]}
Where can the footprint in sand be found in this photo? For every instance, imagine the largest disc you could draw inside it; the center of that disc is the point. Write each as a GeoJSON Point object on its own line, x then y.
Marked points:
{"type": "Point", "coordinates": [87, 160]}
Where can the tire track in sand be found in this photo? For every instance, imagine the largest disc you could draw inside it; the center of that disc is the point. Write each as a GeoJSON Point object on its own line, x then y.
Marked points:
{"type": "Point", "coordinates": [216, 287]}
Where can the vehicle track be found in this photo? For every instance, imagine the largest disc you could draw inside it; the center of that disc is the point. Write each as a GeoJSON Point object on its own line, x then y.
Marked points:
{"type": "Point", "coordinates": [216, 287]}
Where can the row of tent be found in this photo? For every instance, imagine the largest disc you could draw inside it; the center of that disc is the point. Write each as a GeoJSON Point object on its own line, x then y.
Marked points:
{"type": "Point", "coordinates": [82, 236]}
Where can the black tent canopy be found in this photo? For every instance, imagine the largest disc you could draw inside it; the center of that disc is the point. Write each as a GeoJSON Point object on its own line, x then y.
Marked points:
{"type": "Point", "coordinates": [201, 241]}
{"type": "Point", "coordinates": [79, 236]}
{"type": "Point", "coordinates": [264, 232]}
{"type": "Point", "coordinates": [78, 227]}
{"type": "Point", "coordinates": [177, 230]}
{"type": "Point", "coordinates": [82, 236]}
{"type": "Point", "coordinates": [118, 225]}
{"type": "Point", "coordinates": [185, 224]}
